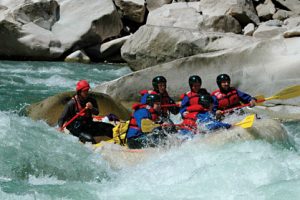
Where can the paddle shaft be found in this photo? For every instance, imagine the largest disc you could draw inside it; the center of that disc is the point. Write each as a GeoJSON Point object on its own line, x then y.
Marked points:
{"type": "Point", "coordinates": [170, 105]}
{"type": "Point", "coordinates": [73, 118]}
{"type": "Point", "coordinates": [242, 106]}
{"type": "Point", "coordinates": [286, 93]}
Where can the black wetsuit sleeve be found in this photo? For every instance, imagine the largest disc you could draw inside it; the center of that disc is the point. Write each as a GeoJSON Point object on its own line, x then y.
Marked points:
{"type": "Point", "coordinates": [174, 109]}
{"type": "Point", "coordinates": [68, 113]}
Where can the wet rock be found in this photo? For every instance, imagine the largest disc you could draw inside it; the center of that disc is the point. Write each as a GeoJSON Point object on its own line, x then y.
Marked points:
{"type": "Point", "coordinates": [51, 108]}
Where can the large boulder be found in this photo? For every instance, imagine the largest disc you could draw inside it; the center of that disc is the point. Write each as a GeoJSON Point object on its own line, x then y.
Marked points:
{"type": "Point", "coordinates": [266, 10]}
{"type": "Point", "coordinates": [269, 29]}
{"type": "Point", "coordinates": [111, 51]}
{"type": "Point", "coordinates": [48, 30]}
{"type": "Point", "coordinates": [25, 30]}
{"type": "Point", "coordinates": [51, 108]}
{"type": "Point", "coordinates": [152, 45]}
{"type": "Point", "coordinates": [242, 10]}
{"type": "Point", "coordinates": [176, 15]}
{"type": "Point", "coordinates": [264, 67]}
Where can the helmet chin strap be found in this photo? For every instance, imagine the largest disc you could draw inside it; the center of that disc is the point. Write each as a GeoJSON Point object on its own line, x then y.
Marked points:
{"type": "Point", "coordinates": [224, 91]}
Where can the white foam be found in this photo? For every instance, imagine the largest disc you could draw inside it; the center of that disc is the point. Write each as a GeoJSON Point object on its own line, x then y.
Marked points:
{"type": "Point", "coordinates": [47, 180]}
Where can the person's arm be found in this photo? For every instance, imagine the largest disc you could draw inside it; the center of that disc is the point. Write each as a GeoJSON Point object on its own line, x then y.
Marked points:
{"type": "Point", "coordinates": [141, 114]}
{"type": "Point", "coordinates": [215, 104]}
{"type": "Point", "coordinates": [246, 98]}
{"type": "Point", "coordinates": [144, 98]}
{"type": "Point", "coordinates": [184, 104]}
{"type": "Point", "coordinates": [94, 108]}
{"type": "Point", "coordinates": [173, 109]}
{"type": "Point", "coordinates": [211, 124]}
{"type": "Point", "coordinates": [67, 113]}
{"type": "Point", "coordinates": [216, 125]}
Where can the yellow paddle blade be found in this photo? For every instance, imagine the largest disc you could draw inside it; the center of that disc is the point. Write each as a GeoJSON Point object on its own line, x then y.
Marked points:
{"type": "Point", "coordinates": [247, 122]}
{"type": "Point", "coordinates": [148, 125]}
{"type": "Point", "coordinates": [287, 93]}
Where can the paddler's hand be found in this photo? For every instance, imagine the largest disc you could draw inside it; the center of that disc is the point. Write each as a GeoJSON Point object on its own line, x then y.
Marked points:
{"type": "Point", "coordinates": [89, 105]}
{"type": "Point", "coordinates": [252, 103]}
{"type": "Point", "coordinates": [219, 114]}
{"type": "Point", "coordinates": [60, 129]}
{"type": "Point", "coordinates": [185, 113]}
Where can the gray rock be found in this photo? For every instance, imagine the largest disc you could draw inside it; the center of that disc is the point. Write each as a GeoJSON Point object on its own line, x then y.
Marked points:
{"type": "Point", "coordinates": [78, 56]}
{"type": "Point", "coordinates": [132, 9]}
{"type": "Point", "coordinates": [46, 30]}
{"type": "Point", "coordinates": [43, 14]}
{"type": "Point", "coordinates": [249, 29]}
{"type": "Point", "coordinates": [269, 30]}
{"type": "Point", "coordinates": [111, 51]}
{"type": "Point", "coordinates": [242, 10]}
{"type": "Point", "coordinates": [152, 45]}
{"type": "Point", "coordinates": [282, 14]}
{"type": "Point", "coordinates": [266, 10]}
{"type": "Point", "coordinates": [176, 15]}
{"type": "Point", "coordinates": [294, 32]}
{"type": "Point", "coordinates": [292, 22]}
{"type": "Point", "coordinates": [153, 4]}
{"type": "Point", "coordinates": [292, 5]}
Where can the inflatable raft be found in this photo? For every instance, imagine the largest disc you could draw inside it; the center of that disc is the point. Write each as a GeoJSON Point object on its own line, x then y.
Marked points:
{"type": "Point", "coordinates": [266, 129]}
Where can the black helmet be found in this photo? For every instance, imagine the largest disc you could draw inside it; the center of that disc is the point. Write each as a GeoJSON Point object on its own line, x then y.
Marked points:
{"type": "Point", "coordinates": [151, 98]}
{"type": "Point", "coordinates": [194, 79]}
{"type": "Point", "coordinates": [205, 100]}
{"type": "Point", "coordinates": [156, 80]}
{"type": "Point", "coordinates": [222, 77]}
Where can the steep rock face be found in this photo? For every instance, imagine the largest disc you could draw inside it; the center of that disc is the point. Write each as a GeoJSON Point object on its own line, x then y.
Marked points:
{"type": "Point", "coordinates": [51, 108]}
{"type": "Point", "coordinates": [47, 30]}
{"type": "Point", "coordinates": [263, 67]}
{"type": "Point", "coordinates": [152, 45]}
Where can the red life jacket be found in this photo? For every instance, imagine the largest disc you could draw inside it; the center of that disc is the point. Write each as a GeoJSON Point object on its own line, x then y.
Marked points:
{"type": "Point", "coordinates": [85, 116]}
{"type": "Point", "coordinates": [133, 123]}
{"type": "Point", "coordinates": [190, 118]}
{"type": "Point", "coordinates": [229, 100]}
{"type": "Point", "coordinates": [193, 98]}
{"type": "Point", "coordinates": [143, 92]}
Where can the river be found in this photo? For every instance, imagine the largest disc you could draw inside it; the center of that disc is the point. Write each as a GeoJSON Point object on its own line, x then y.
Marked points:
{"type": "Point", "coordinates": [37, 162]}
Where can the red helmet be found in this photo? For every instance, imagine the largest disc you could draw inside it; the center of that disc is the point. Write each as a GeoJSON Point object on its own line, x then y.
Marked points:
{"type": "Point", "coordinates": [82, 85]}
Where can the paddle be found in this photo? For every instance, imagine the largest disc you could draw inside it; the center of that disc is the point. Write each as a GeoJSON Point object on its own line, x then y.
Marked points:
{"type": "Point", "coordinates": [148, 125]}
{"type": "Point", "coordinates": [170, 105]}
{"type": "Point", "coordinates": [247, 122]}
{"type": "Point", "coordinates": [287, 93]}
{"type": "Point", "coordinates": [73, 118]}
